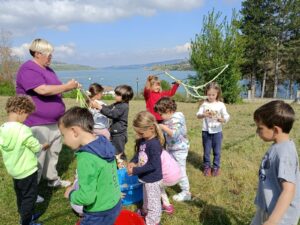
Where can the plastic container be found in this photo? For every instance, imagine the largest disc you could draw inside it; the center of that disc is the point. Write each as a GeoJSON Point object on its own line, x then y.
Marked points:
{"type": "Point", "coordinates": [127, 217]}
{"type": "Point", "coordinates": [131, 187]}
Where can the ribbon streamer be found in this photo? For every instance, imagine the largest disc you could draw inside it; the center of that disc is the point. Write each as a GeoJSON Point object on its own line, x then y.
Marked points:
{"type": "Point", "coordinates": [196, 88]}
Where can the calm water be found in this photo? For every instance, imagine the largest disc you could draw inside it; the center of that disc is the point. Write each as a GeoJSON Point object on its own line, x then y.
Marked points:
{"type": "Point", "coordinates": [136, 78]}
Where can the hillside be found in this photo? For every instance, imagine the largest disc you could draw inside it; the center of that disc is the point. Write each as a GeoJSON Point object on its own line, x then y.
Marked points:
{"type": "Point", "coordinates": [175, 64]}
{"type": "Point", "coordinates": [59, 66]}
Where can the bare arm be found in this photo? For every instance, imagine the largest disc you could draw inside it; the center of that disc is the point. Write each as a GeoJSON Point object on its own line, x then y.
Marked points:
{"type": "Point", "coordinates": [56, 89]}
{"type": "Point", "coordinates": [282, 204]}
{"type": "Point", "coordinates": [166, 129]}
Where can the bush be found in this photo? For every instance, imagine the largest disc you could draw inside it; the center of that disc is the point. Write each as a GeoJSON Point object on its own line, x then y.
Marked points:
{"type": "Point", "coordinates": [7, 88]}
{"type": "Point", "coordinates": [70, 94]}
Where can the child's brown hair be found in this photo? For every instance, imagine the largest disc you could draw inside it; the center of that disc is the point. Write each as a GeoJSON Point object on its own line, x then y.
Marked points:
{"type": "Point", "coordinates": [164, 105]}
{"type": "Point", "coordinates": [276, 113]}
{"type": "Point", "coordinates": [125, 91]}
{"type": "Point", "coordinates": [94, 89]}
{"type": "Point", "coordinates": [20, 104]}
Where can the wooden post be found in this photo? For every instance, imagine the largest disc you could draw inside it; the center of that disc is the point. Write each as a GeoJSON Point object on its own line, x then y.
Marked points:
{"type": "Point", "coordinates": [249, 94]}
{"type": "Point", "coordinates": [298, 97]}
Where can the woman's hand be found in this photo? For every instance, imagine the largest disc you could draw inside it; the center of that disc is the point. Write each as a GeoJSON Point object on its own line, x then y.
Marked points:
{"type": "Point", "coordinates": [72, 84]}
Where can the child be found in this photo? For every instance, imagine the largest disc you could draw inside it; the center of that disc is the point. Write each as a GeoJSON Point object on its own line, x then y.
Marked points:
{"type": "Point", "coordinates": [101, 122]}
{"type": "Point", "coordinates": [177, 144]}
{"type": "Point", "coordinates": [19, 148]}
{"type": "Point", "coordinates": [99, 190]}
{"type": "Point", "coordinates": [214, 113]}
{"type": "Point", "coordinates": [153, 92]}
{"type": "Point", "coordinates": [118, 112]}
{"type": "Point", "coordinates": [146, 164]}
{"type": "Point", "coordinates": [278, 194]}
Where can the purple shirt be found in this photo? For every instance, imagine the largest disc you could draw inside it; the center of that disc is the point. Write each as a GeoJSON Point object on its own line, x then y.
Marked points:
{"type": "Point", "coordinates": [48, 108]}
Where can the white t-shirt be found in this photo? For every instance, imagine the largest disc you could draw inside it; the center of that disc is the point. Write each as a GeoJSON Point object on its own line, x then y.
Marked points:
{"type": "Point", "coordinates": [218, 110]}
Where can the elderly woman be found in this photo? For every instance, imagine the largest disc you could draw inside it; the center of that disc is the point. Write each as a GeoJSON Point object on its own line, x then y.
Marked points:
{"type": "Point", "coordinates": [37, 79]}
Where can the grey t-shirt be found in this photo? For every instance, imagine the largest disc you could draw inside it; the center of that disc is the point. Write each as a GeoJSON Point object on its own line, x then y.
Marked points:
{"type": "Point", "coordinates": [280, 163]}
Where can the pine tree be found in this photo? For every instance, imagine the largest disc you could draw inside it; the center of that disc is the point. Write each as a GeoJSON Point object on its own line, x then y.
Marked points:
{"type": "Point", "coordinates": [218, 44]}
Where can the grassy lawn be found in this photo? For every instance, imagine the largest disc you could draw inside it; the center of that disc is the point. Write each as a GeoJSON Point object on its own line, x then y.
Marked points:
{"type": "Point", "coordinates": [223, 200]}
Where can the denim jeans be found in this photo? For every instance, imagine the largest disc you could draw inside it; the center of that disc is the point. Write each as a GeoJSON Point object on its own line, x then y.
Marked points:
{"type": "Point", "coordinates": [214, 142]}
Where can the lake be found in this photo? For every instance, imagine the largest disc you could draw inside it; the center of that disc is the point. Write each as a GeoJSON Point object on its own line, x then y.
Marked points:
{"type": "Point", "coordinates": [136, 78]}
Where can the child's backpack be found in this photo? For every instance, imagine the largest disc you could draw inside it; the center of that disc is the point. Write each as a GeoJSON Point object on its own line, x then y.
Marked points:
{"type": "Point", "coordinates": [170, 169]}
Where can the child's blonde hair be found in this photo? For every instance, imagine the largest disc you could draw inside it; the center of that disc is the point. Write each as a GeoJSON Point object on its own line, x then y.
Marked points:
{"type": "Point", "coordinates": [214, 85]}
{"type": "Point", "coordinates": [151, 80]}
{"type": "Point", "coordinates": [145, 120]}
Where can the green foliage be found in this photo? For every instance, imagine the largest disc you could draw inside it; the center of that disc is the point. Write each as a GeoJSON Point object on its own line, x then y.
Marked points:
{"type": "Point", "coordinates": [7, 88]}
{"type": "Point", "coordinates": [218, 44]}
{"type": "Point", "coordinates": [165, 85]}
{"type": "Point", "coordinates": [108, 97]}
{"type": "Point", "coordinates": [70, 94]}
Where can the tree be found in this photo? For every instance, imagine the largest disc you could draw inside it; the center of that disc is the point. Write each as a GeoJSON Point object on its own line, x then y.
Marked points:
{"type": "Point", "coordinates": [218, 44]}
{"type": "Point", "coordinates": [271, 32]}
{"type": "Point", "coordinates": [8, 63]}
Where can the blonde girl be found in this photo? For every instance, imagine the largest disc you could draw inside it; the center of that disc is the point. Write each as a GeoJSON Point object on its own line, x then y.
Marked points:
{"type": "Point", "coordinates": [153, 92]}
{"type": "Point", "coordinates": [146, 164]}
{"type": "Point", "coordinates": [214, 114]}
{"type": "Point", "coordinates": [101, 125]}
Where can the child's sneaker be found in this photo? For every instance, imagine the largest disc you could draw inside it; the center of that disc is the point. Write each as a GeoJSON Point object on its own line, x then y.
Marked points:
{"type": "Point", "coordinates": [168, 209]}
{"type": "Point", "coordinates": [182, 196]}
{"type": "Point", "coordinates": [207, 172]}
{"type": "Point", "coordinates": [216, 172]}
{"type": "Point", "coordinates": [39, 199]}
{"type": "Point", "coordinates": [59, 183]}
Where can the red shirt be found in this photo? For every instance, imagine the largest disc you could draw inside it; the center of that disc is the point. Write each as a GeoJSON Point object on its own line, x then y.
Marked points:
{"type": "Point", "coordinates": [152, 97]}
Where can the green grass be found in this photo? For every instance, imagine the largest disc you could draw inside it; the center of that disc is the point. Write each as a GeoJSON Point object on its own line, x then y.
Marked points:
{"type": "Point", "coordinates": [225, 200]}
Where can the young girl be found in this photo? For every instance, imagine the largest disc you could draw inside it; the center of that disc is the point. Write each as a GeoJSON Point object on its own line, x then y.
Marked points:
{"type": "Point", "coordinates": [214, 113]}
{"type": "Point", "coordinates": [153, 92]}
{"type": "Point", "coordinates": [101, 125]}
{"type": "Point", "coordinates": [118, 112]}
{"type": "Point", "coordinates": [146, 164]}
{"type": "Point", "coordinates": [177, 144]}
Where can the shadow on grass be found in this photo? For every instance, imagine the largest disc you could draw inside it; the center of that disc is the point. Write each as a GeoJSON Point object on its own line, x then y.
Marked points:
{"type": "Point", "coordinates": [195, 160]}
{"type": "Point", "coordinates": [215, 215]}
{"type": "Point", "coordinates": [66, 156]}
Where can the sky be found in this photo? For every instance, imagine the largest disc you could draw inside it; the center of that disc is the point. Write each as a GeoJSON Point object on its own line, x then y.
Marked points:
{"type": "Point", "coordinates": [102, 33]}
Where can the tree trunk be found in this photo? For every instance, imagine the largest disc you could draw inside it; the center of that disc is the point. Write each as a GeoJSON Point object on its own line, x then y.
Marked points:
{"type": "Point", "coordinates": [276, 74]}
{"type": "Point", "coordinates": [253, 83]}
{"type": "Point", "coordinates": [263, 84]}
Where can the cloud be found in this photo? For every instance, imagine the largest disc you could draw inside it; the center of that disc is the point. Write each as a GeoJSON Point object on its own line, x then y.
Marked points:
{"type": "Point", "coordinates": [27, 15]}
{"type": "Point", "coordinates": [68, 53]}
{"type": "Point", "coordinates": [61, 53]}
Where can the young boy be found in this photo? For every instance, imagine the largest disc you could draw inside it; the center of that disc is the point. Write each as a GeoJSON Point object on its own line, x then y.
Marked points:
{"type": "Point", "coordinates": [19, 148]}
{"type": "Point", "coordinates": [99, 191]}
{"type": "Point", "coordinates": [118, 112]}
{"type": "Point", "coordinates": [278, 193]}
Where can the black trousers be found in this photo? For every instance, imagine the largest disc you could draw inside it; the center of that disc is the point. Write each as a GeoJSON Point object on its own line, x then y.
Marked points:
{"type": "Point", "coordinates": [119, 142]}
{"type": "Point", "coordinates": [26, 191]}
